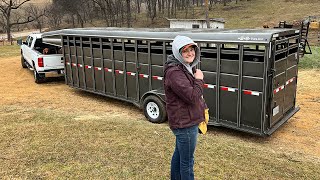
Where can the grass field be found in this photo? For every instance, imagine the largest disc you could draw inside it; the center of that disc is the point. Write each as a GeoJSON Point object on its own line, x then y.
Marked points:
{"type": "Point", "coordinates": [311, 61]}
{"type": "Point", "coordinates": [9, 51]}
{"type": "Point", "coordinates": [40, 143]}
{"type": "Point", "coordinates": [50, 131]}
{"type": "Point", "coordinates": [67, 134]}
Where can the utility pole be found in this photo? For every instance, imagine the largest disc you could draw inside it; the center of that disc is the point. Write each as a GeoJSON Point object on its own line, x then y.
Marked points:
{"type": "Point", "coordinates": [207, 14]}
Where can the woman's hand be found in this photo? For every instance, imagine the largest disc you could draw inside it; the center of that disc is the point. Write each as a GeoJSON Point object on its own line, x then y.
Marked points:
{"type": "Point", "coordinates": [198, 74]}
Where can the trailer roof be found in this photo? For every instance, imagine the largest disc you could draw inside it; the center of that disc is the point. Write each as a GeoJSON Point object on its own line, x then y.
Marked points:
{"type": "Point", "coordinates": [209, 35]}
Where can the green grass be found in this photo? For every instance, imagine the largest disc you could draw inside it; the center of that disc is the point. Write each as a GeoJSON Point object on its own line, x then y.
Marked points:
{"type": "Point", "coordinates": [9, 50]}
{"type": "Point", "coordinates": [311, 61]}
{"type": "Point", "coordinates": [42, 143]}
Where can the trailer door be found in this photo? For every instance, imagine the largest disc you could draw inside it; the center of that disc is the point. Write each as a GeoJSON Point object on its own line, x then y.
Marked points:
{"type": "Point", "coordinates": [284, 81]}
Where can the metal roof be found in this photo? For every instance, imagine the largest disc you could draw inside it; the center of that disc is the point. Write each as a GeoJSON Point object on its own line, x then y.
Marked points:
{"type": "Point", "coordinates": [259, 36]}
{"type": "Point", "coordinates": [211, 19]}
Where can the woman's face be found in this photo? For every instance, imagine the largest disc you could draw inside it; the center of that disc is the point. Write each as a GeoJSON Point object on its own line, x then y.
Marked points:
{"type": "Point", "coordinates": [188, 54]}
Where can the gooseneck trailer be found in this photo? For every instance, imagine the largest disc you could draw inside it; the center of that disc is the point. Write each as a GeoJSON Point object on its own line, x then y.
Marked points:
{"type": "Point", "coordinates": [250, 74]}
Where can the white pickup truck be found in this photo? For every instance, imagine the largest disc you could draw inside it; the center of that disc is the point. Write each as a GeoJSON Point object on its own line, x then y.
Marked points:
{"type": "Point", "coordinates": [43, 59]}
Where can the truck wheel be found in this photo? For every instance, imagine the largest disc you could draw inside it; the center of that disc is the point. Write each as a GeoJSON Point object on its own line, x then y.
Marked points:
{"type": "Point", "coordinates": [23, 62]}
{"type": "Point", "coordinates": [38, 78]}
{"type": "Point", "coordinates": [154, 109]}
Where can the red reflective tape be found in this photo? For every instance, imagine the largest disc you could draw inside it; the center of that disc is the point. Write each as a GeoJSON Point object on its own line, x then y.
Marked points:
{"type": "Point", "coordinates": [119, 71]}
{"type": "Point", "coordinates": [97, 68]}
{"type": "Point", "coordinates": [79, 65]}
{"type": "Point", "coordinates": [290, 80]}
{"type": "Point", "coordinates": [131, 73]}
{"type": "Point", "coordinates": [210, 86]}
{"type": "Point", "coordinates": [143, 75]}
{"type": "Point", "coordinates": [282, 87]}
{"type": "Point", "coordinates": [157, 77]}
{"type": "Point", "coordinates": [228, 89]}
{"type": "Point", "coordinates": [278, 89]}
{"type": "Point", "coordinates": [74, 64]}
{"type": "Point", "coordinates": [224, 88]}
{"type": "Point", "coordinates": [247, 92]}
{"type": "Point", "coordinates": [108, 70]}
{"type": "Point", "coordinates": [254, 93]}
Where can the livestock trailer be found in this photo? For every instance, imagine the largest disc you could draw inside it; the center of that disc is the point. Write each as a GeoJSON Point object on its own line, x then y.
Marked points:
{"type": "Point", "coordinates": [250, 74]}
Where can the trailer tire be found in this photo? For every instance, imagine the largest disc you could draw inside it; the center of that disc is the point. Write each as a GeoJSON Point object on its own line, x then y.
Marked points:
{"type": "Point", "coordinates": [154, 109]}
{"type": "Point", "coordinates": [23, 62]}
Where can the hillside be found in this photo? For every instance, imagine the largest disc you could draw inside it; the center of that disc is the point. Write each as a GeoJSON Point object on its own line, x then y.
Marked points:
{"type": "Point", "coordinates": [247, 14]}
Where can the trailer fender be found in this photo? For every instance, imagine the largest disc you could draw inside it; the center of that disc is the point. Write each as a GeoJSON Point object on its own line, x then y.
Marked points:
{"type": "Point", "coordinates": [153, 106]}
{"type": "Point", "coordinates": [159, 93]}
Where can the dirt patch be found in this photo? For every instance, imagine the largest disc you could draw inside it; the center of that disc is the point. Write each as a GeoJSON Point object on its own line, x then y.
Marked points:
{"type": "Point", "coordinates": [300, 134]}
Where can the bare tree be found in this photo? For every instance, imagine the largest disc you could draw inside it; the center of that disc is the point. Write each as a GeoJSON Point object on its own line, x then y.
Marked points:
{"type": "Point", "coordinates": [168, 8]}
{"type": "Point", "coordinates": [54, 16]}
{"type": "Point", "coordinates": [151, 9]}
{"type": "Point", "coordinates": [38, 14]}
{"type": "Point", "coordinates": [207, 14]}
{"type": "Point", "coordinates": [6, 8]}
{"type": "Point", "coordinates": [138, 5]}
{"type": "Point", "coordinates": [128, 13]}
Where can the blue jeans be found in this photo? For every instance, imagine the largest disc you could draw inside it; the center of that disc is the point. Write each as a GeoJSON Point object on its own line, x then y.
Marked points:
{"type": "Point", "coordinates": [183, 157]}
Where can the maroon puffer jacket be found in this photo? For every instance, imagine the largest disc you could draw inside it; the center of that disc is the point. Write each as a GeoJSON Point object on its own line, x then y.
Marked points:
{"type": "Point", "coordinates": [184, 102]}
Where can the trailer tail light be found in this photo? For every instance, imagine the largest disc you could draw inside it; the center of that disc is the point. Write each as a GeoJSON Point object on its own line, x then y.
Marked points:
{"type": "Point", "coordinates": [40, 62]}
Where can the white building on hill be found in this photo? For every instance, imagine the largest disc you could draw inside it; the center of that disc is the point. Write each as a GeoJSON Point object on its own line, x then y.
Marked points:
{"type": "Point", "coordinates": [217, 23]}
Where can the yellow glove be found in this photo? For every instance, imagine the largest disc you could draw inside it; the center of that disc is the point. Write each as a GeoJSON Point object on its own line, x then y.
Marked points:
{"type": "Point", "coordinates": [203, 125]}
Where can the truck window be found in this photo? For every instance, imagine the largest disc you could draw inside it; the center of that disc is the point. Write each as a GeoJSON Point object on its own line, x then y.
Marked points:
{"type": "Point", "coordinates": [38, 45]}
{"type": "Point", "coordinates": [30, 41]}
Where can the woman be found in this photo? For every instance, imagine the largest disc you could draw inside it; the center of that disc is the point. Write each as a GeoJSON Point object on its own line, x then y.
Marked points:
{"type": "Point", "coordinates": [184, 103]}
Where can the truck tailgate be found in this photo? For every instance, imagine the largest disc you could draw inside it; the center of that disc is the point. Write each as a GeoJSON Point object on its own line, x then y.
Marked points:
{"type": "Point", "coordinates": [54, 61]}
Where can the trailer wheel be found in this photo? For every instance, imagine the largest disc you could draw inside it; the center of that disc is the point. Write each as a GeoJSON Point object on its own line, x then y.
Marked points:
{"type": "Point", "coordinates": [38, 78]}
{"type": "Point", "coordinates": [154, 109]}
{"type": "Point", "coordinates": [23, 62]}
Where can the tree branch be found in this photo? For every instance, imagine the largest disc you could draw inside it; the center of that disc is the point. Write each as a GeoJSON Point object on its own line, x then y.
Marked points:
{"type": "Point", "coordinates": [16, 7]}
{"type": "Point", "coordinates": [25, 22]}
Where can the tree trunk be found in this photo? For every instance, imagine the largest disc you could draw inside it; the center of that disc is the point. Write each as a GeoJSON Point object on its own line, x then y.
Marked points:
{"type": "Point", "coordinates": [207, 14]}
{"type": "Point", "coordinates": [168, 7]}
{"type": "Point", "coordinates": [159, 6]}
{"type": "Point", "coordinates": [138, 4]}
{"type": "Point", "coordinates": [128, 13]}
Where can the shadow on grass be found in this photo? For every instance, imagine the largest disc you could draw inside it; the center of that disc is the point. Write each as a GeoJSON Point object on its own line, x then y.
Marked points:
{"type": "Point", "coordinates": [103, 98]}
{"type": "Point", "coordinates": [219, 130]}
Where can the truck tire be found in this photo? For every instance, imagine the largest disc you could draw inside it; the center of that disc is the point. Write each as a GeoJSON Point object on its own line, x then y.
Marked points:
{"type": "Point", "coordinates": [38, 78]}
{"type": "Point", "coordinates": [154, 109]}
{"type": "Point", "coordinates": [23, 62]}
